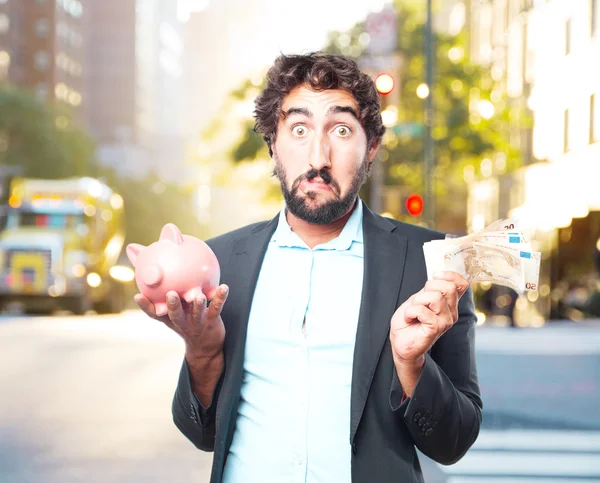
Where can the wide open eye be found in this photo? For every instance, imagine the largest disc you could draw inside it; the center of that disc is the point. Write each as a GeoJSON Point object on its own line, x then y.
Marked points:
{"type": "Point", "coordinates": [299, 130]}
{"type": "Point", "coordinates": [343, 131]}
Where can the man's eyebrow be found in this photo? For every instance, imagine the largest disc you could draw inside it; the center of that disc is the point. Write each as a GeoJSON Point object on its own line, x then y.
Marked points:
{"type": "Point", "coordinates": [340, 109]}
{"type": "Point", "coordinates": [303, 111]}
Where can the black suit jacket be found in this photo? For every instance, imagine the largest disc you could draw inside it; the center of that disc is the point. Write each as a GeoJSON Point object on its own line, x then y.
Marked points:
{"type": "Point", "coordinates": [443, 416]}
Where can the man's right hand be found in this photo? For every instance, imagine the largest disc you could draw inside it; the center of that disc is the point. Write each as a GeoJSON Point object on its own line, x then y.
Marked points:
{"type": "Point", "coordinates": [201, 327]}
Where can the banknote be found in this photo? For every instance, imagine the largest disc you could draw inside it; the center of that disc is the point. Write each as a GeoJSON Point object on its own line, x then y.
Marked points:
{"type": "Point", "coordinates": [500, 254]}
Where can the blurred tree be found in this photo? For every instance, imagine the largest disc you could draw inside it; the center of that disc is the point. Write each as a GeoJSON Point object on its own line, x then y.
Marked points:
{"type": "Point", "coordinates": [150, 204]}
{"type": "Point", "coordinates": [41, 138]}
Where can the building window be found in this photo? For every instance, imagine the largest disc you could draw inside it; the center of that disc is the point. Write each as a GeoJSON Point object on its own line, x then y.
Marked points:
{"type": "Point", "coordinates": [4, 23]}
{"type": "Point", "coordinates": [42, 90]}
{"type": "Point", "coordinates": [566, 132]}
{"type": "Point", "coordinates": [568, 37]}
{"type": "Point", "coordinates": [41, 60]}
{"type": "Point", "coordinates": [594, 121]}
{"type": "Point", "coordinates": [593, 17]}
{"type": "Point", "coordinates": [75, 39]}
{"type": "Point", "coordinates": [74, 7]}
{"type": "Point", "coordinates": [4, 64]}
{"type": "Point", "coordinates": [42, 28]}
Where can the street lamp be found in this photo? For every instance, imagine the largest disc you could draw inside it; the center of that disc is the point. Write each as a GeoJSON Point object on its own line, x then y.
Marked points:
{"type": "Point", "coordinates": [429, 153]}
{"type": "Point", "coordinates": [422, 91]}
{"type": "Point", "coordinates": [384, 84]}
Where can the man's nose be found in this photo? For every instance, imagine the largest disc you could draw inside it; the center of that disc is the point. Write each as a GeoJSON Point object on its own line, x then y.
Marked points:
{"type": "Point", "coordinates": [320, 153]}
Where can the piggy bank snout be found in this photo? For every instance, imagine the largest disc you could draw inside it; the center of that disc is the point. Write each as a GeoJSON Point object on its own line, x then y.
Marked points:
{"type": "Point", "coordinates": [152, 275]}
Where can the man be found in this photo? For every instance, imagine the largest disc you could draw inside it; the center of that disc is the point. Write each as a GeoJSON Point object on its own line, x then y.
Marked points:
{"type": "Point", "coordinates": [332, 357]}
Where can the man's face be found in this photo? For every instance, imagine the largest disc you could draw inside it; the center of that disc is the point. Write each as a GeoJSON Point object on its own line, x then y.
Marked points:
{"type": "Point", "coordinates": [321, 156]}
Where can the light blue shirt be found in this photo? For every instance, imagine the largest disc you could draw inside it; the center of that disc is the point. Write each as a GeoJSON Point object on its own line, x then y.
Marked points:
{"type": "Point", "coordinates": [293, 423]}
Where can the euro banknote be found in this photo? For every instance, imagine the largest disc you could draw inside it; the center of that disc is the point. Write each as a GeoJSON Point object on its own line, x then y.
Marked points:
{"type": "Point", "coordinates": [499, 254]}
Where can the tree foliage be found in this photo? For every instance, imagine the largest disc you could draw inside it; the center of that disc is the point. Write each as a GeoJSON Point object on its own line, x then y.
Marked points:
{"type": "Point", "coordinates": [42, 140]}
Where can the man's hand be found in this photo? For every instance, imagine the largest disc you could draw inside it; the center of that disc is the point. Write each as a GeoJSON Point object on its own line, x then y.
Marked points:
{"type": "Point", "coordinates": [201, 327]}
{"type": "Point", "coordinates": [424, 318]}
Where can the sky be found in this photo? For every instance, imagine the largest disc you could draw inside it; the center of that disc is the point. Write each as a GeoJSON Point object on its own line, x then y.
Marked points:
{"type": "Point", "coordinates": [263, 28]}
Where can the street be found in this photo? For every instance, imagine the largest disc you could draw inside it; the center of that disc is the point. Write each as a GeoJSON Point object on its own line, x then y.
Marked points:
{"type": "Point", "coordinates": [88, 399]}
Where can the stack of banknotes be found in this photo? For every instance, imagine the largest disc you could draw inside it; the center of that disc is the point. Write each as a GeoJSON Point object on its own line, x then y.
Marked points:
{"type": "Point", "coordinates": [500, 254]}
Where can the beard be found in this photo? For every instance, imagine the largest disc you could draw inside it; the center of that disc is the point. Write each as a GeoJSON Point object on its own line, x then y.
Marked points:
{"type": "Point", "coordinates": [330, 210]}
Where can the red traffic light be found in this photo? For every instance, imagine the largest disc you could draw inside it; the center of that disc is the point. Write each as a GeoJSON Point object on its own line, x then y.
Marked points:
{"type": "Point", "coordinates": [384, 84]}
{"type": "Point", "coordinates": [414, 204]}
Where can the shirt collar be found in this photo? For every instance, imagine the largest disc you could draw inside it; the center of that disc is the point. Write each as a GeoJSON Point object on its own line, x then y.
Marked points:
{"type": "Point", "coordinates": [352, 232]}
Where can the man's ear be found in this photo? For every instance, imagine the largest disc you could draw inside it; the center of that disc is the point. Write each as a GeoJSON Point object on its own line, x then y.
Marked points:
{"type": "Point", "coordinates": [373, 150]}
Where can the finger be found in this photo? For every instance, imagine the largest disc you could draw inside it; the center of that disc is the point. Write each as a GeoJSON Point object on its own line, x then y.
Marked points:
{"type": "Point", "coordinates": [434, 299]}
{"type": "Point", "coordinates": [419, 313]}
{"type": "Point", "coordinates": [450, 292]}
{"type": "Point", "coordinates": [199, 308]}
{"type": "Point", "coordinates": [436, 324]}
{"type": "Point", "coordinates": [216, 305]}
{"type": "Point", "coordinates": [461, 284]}
{"type": "Point", "coordinates": [144, 303]}
{"type": "Point", "coordinates": [174, 309]}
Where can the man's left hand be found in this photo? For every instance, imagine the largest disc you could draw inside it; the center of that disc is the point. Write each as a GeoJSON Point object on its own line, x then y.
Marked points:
{"type": "Point", "coordinates": [420, 321]}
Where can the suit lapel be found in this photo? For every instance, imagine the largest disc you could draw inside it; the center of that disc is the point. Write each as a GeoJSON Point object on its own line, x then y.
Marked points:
{"type": "Point", "coordinates": [241, 274]}
{"type": "Point", "coordinates": [384, 260]}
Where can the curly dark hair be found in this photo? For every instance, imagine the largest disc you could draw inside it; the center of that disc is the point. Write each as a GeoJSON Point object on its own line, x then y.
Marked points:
{"type": "Point", "coordinates": [320, 71]}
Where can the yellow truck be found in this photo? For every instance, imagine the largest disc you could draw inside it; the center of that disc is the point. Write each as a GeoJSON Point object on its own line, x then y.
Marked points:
{"type": "Point", "coordinates": [61, 246]}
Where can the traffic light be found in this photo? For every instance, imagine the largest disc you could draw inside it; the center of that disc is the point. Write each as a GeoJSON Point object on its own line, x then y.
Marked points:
{"type": "Point", "coordinates": [414, 204]}
{"type": "Point", "coordinates": [385, 84]}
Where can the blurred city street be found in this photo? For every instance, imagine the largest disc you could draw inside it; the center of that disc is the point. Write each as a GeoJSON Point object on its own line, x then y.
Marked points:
{"type": "Point", "coordinates": [88, 399]}
{"type": "Point", "coordinates": [118, 117]}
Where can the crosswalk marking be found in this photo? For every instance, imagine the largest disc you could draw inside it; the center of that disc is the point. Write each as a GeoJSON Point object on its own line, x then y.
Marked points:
{"type": "Point", "coordinates": [515, 440]}
{"type": "Point", "coordinates": [522, 456]}
{"type": "Point", "coordinates": [499, 463]}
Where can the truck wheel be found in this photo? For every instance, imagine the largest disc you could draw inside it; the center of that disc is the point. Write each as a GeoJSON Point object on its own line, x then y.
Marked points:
{"type": "Point", "coordinates": [79, 306]}
{"type": "Point", "coordinates": [114, 302]}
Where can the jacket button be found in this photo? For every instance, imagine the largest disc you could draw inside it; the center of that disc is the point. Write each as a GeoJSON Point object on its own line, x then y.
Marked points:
{"type": "Point", "coordinates": [422, 421]}
{"type": "Point", "coordinates": [416, 417]}
{"type": "Point", "coordinates": [428, 432]}
{"type": "Point", "coordinates": [354, 448]}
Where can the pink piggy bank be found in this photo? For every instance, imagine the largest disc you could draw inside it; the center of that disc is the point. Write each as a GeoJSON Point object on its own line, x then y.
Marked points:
{"type": "Point", "coordinates": [176, 262]}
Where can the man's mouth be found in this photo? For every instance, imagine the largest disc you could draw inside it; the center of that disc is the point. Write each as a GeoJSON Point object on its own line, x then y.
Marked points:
{"type": "Point", "coordinates": [317, 183]}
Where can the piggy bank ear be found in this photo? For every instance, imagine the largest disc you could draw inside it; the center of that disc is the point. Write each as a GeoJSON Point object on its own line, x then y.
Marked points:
{"type": "Point", "coordinates": [171, 232]}
{"type": "Point", "coordinates": [133, 250]}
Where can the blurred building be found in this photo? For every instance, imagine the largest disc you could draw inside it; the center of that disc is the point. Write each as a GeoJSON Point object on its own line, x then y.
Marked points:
{"type": "Point", "coordinates": [135, 85]}
{"type": "Point", "coordinates": [42, 49]}
{"type": "Point", "coordinates": [204, 70]}
{"type": "Point", "coordinates": [544, 55]}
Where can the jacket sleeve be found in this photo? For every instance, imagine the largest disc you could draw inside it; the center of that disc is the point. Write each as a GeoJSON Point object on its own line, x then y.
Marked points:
{"type": "Point", "coordinates": [196, 422]}
{"type": "Point", "coordinates": [443, 415]}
